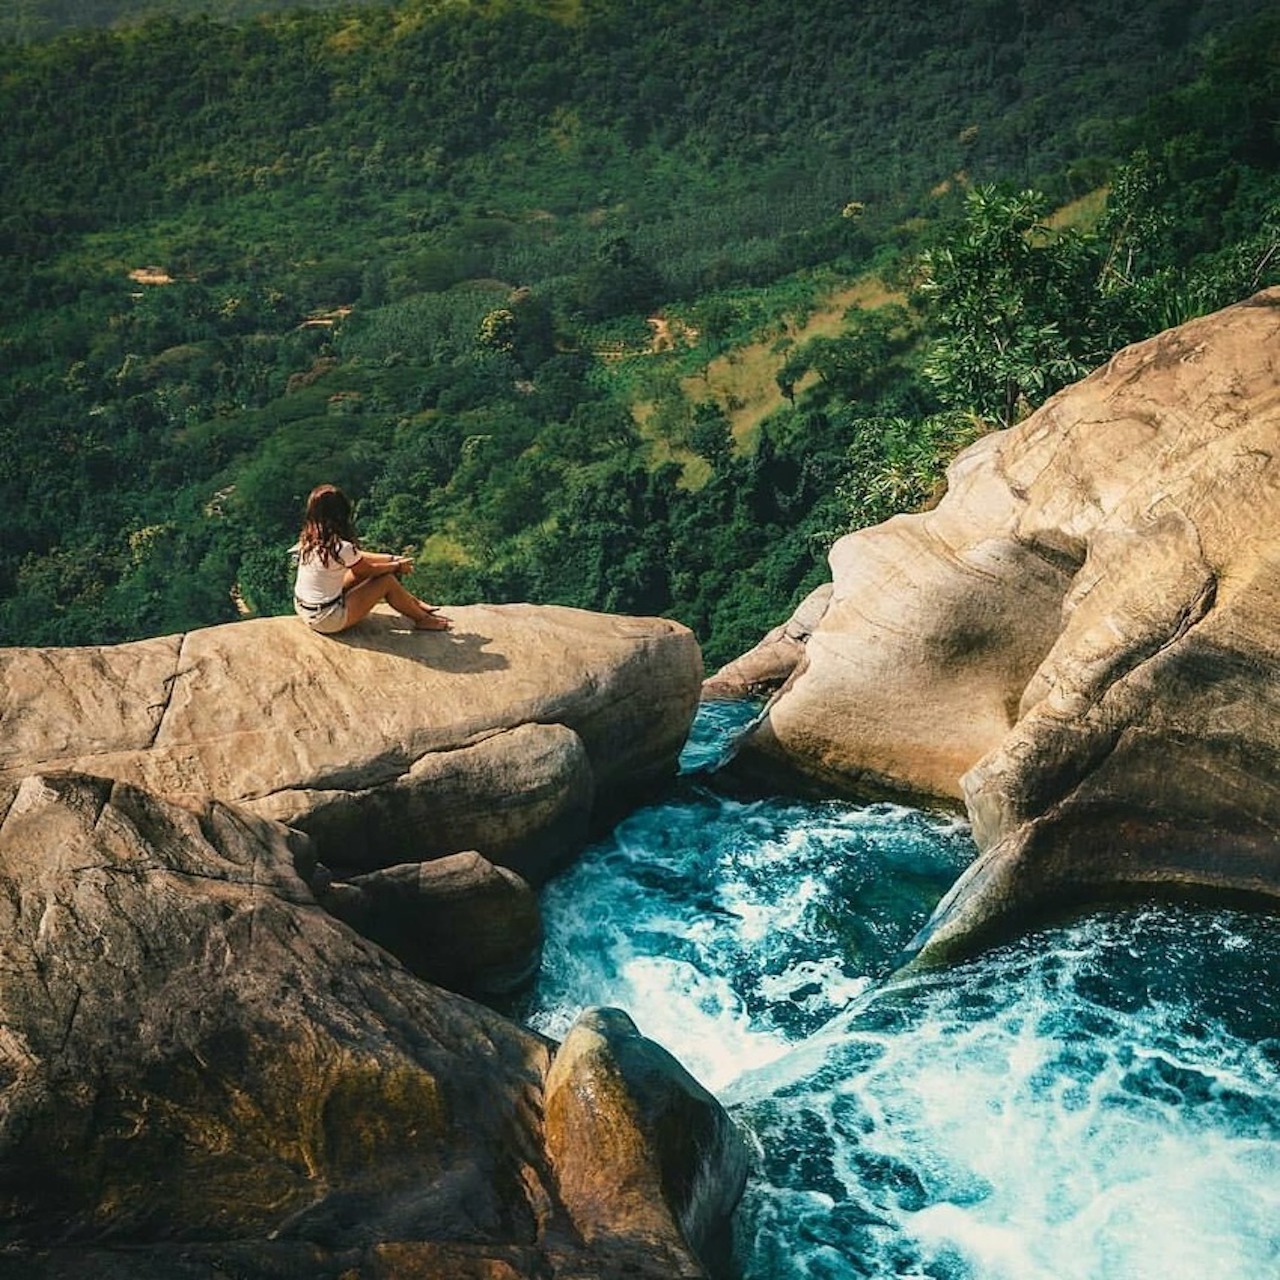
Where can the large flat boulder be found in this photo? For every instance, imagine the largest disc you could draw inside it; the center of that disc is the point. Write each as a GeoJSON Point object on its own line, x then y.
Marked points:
{"type": "Point", "coordinates": [1081, 643]}
{"type": "Point", "coordinates": [507, 735]}
{"type": "Point", "coordinates": [203, 1073]}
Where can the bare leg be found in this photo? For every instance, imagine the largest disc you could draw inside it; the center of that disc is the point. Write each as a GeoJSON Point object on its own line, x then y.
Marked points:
{"type": "Point", "coordinates": [386, 586]}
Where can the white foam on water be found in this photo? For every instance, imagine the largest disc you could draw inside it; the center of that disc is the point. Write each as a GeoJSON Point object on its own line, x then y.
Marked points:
{"type": "Point", "coordinates": [1098, 1185]}
{"type": "Point", "coordinates": [814, 984]}
{"type": "Point", "coordinates": [1110, 1197]}
{"type": "Point", "coordinates": [1099, 1103]}
{"type": "Point", "coordinates": [708, 921]}
{"type": "Point", "coordinates": [696, 1016]}
{"type": "Point", "coordinates": [1018, 1124]}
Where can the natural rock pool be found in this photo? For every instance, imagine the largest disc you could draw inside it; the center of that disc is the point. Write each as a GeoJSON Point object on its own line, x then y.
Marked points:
{"type": "Point", "coordinates": [1100, 1100]}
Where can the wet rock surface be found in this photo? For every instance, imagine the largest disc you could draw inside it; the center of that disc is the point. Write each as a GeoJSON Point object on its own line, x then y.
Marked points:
{"type": "Point", "coordinates": [615, 1093]}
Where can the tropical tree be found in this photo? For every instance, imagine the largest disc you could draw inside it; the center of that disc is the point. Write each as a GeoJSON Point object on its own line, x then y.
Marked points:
{"type": "Point", "coordinates": [998, 292]}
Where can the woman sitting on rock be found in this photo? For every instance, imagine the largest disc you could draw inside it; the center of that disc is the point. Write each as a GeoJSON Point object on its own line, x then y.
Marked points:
{"type": "Point", "coordinates": [337, 582]}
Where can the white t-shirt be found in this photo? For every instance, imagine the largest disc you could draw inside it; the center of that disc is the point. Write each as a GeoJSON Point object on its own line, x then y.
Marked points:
{"type": "Point", "coordinates": [319, 581]}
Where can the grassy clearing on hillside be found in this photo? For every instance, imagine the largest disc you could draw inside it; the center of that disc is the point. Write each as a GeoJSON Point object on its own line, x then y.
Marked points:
{"type": "Point", "coordinates": [1083, 214]}
{"type": "Point", "coordinates": [744, 381]}
{"type": "Point", "coordinates": [737, 372]}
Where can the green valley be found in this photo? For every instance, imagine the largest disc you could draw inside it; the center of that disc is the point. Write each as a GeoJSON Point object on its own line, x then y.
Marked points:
{"type": "Point", "coordinates": [633, 309]}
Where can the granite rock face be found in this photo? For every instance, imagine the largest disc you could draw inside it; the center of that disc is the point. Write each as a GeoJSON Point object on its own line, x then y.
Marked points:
{"type": "Point", "coordinates": [1080, 643]}
{"type": "Point", "coordinates": [192, 1048]}
{"type": "Point", "coordinates": [507, 735]}
{"type": "Point", "coordinates": [204, 1073]}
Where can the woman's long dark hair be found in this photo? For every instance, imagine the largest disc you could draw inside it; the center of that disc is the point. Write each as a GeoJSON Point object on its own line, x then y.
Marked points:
{"type": "Point", "coordinates": [327, 524]}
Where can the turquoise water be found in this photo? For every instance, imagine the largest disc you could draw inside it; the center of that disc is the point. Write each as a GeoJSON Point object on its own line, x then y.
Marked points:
{"type": "Point", "coordinates": [1099, 1101]}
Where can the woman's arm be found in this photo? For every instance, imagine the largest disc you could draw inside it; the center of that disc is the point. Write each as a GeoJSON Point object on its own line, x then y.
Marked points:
{"type": "Point", "coordinates": [373, 564]}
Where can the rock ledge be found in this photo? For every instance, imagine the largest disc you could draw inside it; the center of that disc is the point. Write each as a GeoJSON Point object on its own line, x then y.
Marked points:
{"type": "Point", "coordinates": [508, 735]}
{"type": "Point", "coordinates": [1080, 643]}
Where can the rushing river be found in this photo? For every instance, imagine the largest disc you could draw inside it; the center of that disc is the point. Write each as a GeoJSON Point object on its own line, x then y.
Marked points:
{"type": "Point", "coordinates": [1099, 1101]}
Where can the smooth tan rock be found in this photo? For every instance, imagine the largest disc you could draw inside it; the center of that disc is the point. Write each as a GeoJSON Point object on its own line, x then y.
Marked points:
{"type": "Point", "coordinates": [1081, 642]}
{"type": "Point", "coordinates": [508, 734]}
{"type": "Point", "coordinates": [935, 624]}
{"type": "Point", "coordinates": [770, 664]}
{"type": "Point", "coordinates": [525, 794]}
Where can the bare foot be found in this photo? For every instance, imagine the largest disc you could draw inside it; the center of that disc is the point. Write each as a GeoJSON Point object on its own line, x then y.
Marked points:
{"type": "Point", "coordinates": [432, 622]}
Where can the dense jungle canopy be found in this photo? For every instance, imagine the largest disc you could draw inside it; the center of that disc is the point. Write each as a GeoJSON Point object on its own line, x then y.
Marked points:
{"type": "Point", "coordinates": [629, 307]}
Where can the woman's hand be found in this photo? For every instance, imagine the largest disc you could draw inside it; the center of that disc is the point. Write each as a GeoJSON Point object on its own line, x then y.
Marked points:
{"type": "Point", "coordinates": [376, 564]}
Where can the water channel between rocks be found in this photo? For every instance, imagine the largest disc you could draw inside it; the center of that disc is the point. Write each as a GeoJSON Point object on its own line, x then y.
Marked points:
{"type": "Point", "coordinates": [1099, 1100]}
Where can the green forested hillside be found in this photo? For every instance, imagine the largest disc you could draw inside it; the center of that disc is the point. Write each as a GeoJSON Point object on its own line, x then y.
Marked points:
{"type": "Point", "coordinates": [31, 20]}
{"type": "Point", "coordinates": [482, 265]}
